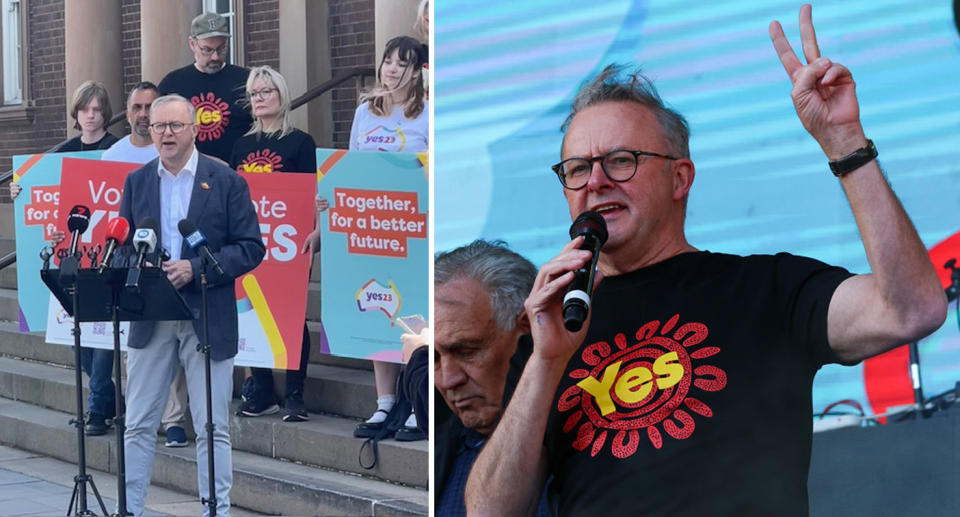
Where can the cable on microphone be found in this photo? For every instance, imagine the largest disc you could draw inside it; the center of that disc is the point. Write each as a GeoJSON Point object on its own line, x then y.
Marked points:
{"type": "Point", "coordinates": [118, 229]}
{"type": "Point", "coordinates": [576, 303]}
{"type": "Point", "coordinates": [197, 242]}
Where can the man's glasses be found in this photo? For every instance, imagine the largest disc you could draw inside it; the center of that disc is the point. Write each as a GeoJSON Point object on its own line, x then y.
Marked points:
{"type": "Point", "coordinates": [207, 51]}
{"type": "Point", "coordinates": [619, 166]}
{"type": "Point", "coordinates": [175, 127]}
{"type": "Point", "coordinates": [263, 93]}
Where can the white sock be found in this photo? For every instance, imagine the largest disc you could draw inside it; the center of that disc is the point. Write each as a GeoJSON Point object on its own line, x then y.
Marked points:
{"type": "Point", "coordinates": [411, 420]}
{"type": "Point", "coordinates": [384, 405]}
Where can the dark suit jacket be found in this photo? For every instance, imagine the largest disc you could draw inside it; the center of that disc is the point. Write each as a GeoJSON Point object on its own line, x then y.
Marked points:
{"type": "Point", "coordinates": [221, 208]}
{"type": "Point", "coordinates": [448, 428]}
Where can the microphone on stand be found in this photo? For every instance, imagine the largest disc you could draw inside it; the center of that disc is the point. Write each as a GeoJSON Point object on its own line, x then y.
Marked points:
{"type": "Point", "coordinates": [77, 223]}
{"type": "Point", "coordinates": [197, 242]}
{"type": "Point", "coordinates": [576, 303]}
{"type": "Point", "coordinates": [144, 241]}
{"type": "Point", "coordinates": [118, 229]}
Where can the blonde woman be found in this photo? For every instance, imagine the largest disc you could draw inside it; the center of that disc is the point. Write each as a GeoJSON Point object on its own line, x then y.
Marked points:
{"type": "Point", "coordinates": [273, 145]}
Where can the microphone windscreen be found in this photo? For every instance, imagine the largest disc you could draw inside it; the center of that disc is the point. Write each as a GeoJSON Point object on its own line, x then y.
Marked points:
{"type": "Point", "coordinates": [118, 228]}
{"type": "Point", "coordinates": [186, 227]}
{"type": "Point", "coordinates": [589, 222]}
{"type": "Point", "coordinates": [151, 223]}
{"type": "Point", "coordinates": [79, 219]}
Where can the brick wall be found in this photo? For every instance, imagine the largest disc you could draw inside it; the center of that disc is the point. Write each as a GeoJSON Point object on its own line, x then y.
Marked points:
{"type": "Point", "coordinates": [262, 33]}
{"type": "Point", "coordinates": [351, 45]}
{"type": "Point", "coordinates": [46, 88]}
{"type": "Point", "coordinates": [130, 34]}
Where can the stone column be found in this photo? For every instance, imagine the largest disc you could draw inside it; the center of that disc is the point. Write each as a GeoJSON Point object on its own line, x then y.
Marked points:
{"type": "Point", "coordinates": [393, 18]}
{"type": "Point", "coordinates": [164, 31]}
{"type": "Point", "coordinates": [305, 63]}
{"type": "Point", "coordinates": [92, 47]}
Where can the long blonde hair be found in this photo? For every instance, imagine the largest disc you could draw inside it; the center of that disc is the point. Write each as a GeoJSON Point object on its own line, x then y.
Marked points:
{"type": "Point", "coordinates": [272, 76]}
{"type": "Point", "coordinates": [379, 100]}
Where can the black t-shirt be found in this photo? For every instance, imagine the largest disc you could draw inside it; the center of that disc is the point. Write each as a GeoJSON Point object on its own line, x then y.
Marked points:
{"type": "Point", "coordinates": [219, 99]}
{"type": "Point", "coordinates": [296, 152]}
{"type": "Point", "coordinates": [75, 144]}
{"type": "Point", "coordinates": [702, 366]}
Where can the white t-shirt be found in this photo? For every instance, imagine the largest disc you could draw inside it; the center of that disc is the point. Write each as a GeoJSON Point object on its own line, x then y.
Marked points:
{"type": "Point", "coordinates": [124, 151]}
{"type": "Point", "coordinates": [395, 133]}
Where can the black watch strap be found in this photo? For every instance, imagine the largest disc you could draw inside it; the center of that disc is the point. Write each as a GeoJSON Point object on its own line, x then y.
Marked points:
{"type": "Point", "coordinates": [854, 160]}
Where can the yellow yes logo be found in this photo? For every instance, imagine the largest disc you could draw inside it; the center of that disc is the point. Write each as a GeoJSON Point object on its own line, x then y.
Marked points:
{"type": "Point", "coordinates": [634, 384]}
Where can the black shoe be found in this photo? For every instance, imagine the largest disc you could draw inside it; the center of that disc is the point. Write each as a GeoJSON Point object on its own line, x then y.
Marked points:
{"type": "Point", "coordinates": [410, 434]}
{"type": "Point", "coordinates": [294, 410]}
{"type": "Point", "coordinates": [368, 430]}
{"type": "Point", "coordinates": [176, 437]}
{"type": "Point", "coordinates": [96, 425]}
{"type": "Point", "coordinates": [249, 389]}
{"type": "Point", "coordinates": [258, 407]}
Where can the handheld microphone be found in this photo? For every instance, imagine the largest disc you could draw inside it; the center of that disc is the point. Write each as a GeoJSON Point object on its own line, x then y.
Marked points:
{"type": "Point", "coordinates": [197, 242]}
{"type": "Point", "coordinates": [576, 303]}
{"type": "Point", "coordinates": [77, 223]}
{"type": "Point", "coordinates": [117, 231]}
{"type": "Point", "coordinates": [144, 241]}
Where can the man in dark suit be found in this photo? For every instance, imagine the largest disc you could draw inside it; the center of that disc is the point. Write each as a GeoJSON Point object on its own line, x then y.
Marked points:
{"type": "Point", "coordinates": [183, 184]}
{"type": "Point", "coordinates": [482, 342]}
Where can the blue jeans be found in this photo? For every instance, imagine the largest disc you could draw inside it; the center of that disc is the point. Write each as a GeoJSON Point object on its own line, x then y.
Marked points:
{"type": "Point", "coordinates": [98, 364]}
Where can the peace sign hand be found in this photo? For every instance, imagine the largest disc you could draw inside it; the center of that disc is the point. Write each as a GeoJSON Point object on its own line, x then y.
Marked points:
{"type": "Point", "coordinates": [824, 93]}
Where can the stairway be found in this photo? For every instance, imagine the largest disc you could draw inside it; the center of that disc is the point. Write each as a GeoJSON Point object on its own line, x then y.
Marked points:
{"type": "Point", "coordinates": [302, 468]}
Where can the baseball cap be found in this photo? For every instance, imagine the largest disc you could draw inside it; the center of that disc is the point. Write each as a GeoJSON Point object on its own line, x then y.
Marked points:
{"type": "Point", "coordinates": [209, 25]}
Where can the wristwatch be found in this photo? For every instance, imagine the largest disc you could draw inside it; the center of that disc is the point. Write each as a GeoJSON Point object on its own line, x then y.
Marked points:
{"type": "Point", "coordinates": [854, 160]}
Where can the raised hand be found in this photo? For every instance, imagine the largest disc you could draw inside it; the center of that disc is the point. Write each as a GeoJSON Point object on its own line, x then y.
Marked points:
{"type": "Point", "coordinates": [824, 93]}
{"type": "Point", "coordinates": [552, 341]}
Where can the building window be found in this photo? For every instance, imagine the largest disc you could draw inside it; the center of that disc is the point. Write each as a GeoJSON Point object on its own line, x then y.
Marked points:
{"type": "Point", "coordinates": [12, 51]}
{"type": "Point", "coordinates": [225, 8]}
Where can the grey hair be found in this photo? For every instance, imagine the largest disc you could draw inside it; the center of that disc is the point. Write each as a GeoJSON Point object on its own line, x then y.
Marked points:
{"type": "Point", "coordinates": [507, 276]}
{"type": "Point", "coordinates": [614, 84]}
{"type": "Point", "coordinates": [167, 99]}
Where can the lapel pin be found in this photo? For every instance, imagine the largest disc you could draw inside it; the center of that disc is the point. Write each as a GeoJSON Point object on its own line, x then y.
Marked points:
{"type": "Point", "coordinates": [204, 185]}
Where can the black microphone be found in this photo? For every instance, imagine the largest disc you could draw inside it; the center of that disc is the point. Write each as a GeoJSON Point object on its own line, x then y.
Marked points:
{"type": "Point", "coordinates": [576, 303]}
{"type": "Point", "coordinates": [77, 223]}
{"type": "Point", "coordinates": [197, 242]}
{"type": "Point", "coordinates": [144, 241]}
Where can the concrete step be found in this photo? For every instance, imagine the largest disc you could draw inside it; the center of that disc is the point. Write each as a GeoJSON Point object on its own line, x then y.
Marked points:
{"type": "Point", "coordinates": [262, 484]}
{"type": "Point", "coordinates": [6, 215]}
{"type": "Point", "coordinates": [8, 277]}
{"type": "Point", "coordinates": [326, 440]}
{"type": "Point", "coordinates": [328, 389]}
{"type": "Point", "coordinates": [7, 245]}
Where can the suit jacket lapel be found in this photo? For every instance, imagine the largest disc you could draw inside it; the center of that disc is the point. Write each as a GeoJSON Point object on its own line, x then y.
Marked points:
{"type": "Point", "coordinates": [201, 191]}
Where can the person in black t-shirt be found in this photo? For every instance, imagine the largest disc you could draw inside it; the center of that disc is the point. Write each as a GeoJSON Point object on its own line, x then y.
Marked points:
{"type": "Point", "coordinates": [90, 111]}
{"type": "Point", "coordinates": [273, 145]}
{"type": "Point", "coordinates": [688, 391]}
{"type": "Point", "coordinates": [215, 88]}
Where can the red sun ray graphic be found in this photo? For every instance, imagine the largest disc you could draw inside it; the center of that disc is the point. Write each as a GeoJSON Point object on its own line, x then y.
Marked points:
{"type": "Point", "coordinates": [263, 160]}
{"type": "Point", "coordinates": [213, 116]}
{"type": "Point", "coordinates": [641, 387]}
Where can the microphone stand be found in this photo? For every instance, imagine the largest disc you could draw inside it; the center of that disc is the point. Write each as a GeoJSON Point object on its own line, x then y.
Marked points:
{"type": "Point", "coordinates": [953, 292]}
{"type": "Point", "coordinates": [204, 346]}
{"type": "Point", "coordinates": [119, 420]}
{"type": "Point", "coordinates": [82, 478]}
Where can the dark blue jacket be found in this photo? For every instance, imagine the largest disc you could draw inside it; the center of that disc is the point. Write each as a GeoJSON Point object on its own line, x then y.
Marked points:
{"type": "Point", "coordinates": [221, 208]}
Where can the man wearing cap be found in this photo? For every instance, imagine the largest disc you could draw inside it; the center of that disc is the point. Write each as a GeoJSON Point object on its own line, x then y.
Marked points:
{"type": "Point", "coordinates": [214, 87]}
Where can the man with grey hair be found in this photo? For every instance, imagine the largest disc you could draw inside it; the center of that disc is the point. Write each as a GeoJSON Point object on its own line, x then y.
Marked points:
{"type": "Point", "coordinates": [182, 184]}
{"type": "Point", "coordinates": [688, 392]}
{"type": "Point", "coordinates": [481, 341]}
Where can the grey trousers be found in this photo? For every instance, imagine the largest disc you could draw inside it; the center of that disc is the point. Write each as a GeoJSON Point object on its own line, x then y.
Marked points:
{"type": "Point", "coordinates": [150, 370]}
